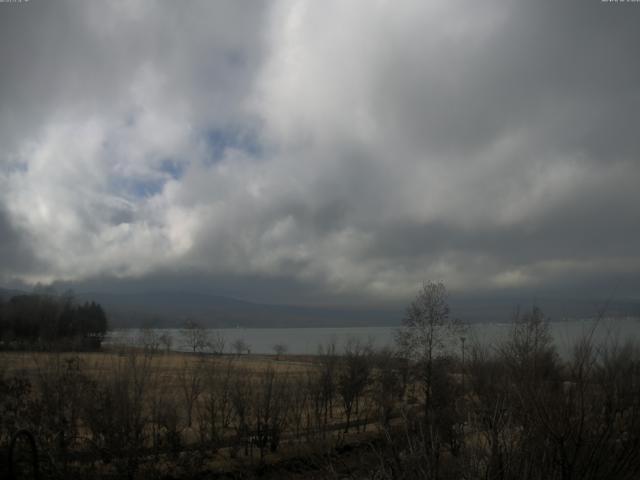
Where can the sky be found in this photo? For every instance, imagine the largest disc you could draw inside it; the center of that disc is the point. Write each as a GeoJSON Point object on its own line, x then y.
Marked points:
{"type": "Point", "coordinates": [334, 152]}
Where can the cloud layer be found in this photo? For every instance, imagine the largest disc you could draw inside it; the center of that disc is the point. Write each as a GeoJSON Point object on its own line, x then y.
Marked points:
{"type": "Point", "coordinates": [342, 150]}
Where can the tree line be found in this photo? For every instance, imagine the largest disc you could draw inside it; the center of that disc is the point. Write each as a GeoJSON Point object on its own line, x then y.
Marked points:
{"type": "Point", "coordinates": [44, 321]}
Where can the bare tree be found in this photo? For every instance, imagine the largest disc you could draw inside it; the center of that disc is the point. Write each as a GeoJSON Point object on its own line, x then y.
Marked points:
{"type": "Point", "coordinates": [195, 336]}
{"type": "Point", "coordinates": [269, 410]}
{"type": "Point", "coordinates": [115, 413]}
{"type": "Point", "coordinates": [240, 346]}
{"type": "Point", "coordinates": [166, 427]}
{"type": "Point", "coordinates": [426, 330]}
{"type": "Point", "coordinates": [387, 384]}
{"type": "Point", "coordinates": [316, 412]}
{"type": "Point", "coordinates": [150, 340]}
{"type": "Point", "coordinates": [299, 405]}
{"type": "Point", "coordinates": [529, 348]}
{"type": "Point", "coordinates": [354, 377]}
{"type": "Point", "coordinates": [280, 349]}
{"type": "Point", "coordinates": [217, 343]}
{"type": "Point", "coordinates": [166, 341]}
{"type": "Point", "coordinates": [216, 408]}
{"type": "Point", "coordinates": [241, 395]}
{"type": "Point", "coordinates": [190, 378]}
{"type": "Point", "coordinates": [327, 380]}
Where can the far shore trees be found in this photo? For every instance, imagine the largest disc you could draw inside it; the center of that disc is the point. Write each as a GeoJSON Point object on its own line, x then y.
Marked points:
{"type": "Point", "coordinates": [45, 320]}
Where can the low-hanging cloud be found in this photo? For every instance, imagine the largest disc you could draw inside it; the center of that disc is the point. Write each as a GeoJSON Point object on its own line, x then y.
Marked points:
{"type": "Point", "coordinates": [349, 149]}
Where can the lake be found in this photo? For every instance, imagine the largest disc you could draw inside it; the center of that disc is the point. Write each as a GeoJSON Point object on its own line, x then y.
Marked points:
{"type": "Point", "coordinates": [307, 340]}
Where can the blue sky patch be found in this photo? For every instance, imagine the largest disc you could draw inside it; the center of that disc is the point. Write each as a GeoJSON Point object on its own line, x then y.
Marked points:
{"type": "Point", "coordinates": [219, 140]}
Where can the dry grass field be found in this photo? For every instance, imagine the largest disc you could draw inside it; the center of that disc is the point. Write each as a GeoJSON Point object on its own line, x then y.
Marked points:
{"type": "Point", "coordinates": [108, 360]}
{"type": "Point", "coordinates": [165, 411]}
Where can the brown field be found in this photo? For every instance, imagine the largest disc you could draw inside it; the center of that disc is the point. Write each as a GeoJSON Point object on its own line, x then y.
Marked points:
{"type": "Point", "coordinates": [100, 363]}
{"type": "Point", "coordinates": [169, 382]}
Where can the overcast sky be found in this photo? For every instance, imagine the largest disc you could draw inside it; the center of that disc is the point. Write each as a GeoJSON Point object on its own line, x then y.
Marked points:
{"type": "Point", "coordinates": [333, 151]}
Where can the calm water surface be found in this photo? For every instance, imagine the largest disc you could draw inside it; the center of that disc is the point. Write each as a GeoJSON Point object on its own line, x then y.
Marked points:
{"type": "Point", "coordinates": [306, 340]}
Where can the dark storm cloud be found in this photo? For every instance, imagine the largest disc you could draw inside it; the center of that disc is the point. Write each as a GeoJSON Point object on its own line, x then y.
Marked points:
{"type": "Point", "coordinates": [345, 150]}
{"type": "Point", "coordinates": [274, 289]}
{"type": "Point", "coordinates": [567, 73]}
{"type": "Point", "coordinates": [16, 256]}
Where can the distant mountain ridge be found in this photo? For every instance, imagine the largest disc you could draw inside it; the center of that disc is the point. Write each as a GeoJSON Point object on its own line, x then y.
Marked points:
{"type": "Point", "coordinates": [172, 308]}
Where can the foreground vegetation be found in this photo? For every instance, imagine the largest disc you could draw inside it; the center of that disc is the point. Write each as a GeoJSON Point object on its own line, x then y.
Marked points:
{"type": "Point", "coordinates": [513, 410]}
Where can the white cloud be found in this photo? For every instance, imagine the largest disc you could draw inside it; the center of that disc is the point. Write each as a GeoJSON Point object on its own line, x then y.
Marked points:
{"type": "Point", "coordinates": [359, 147]}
